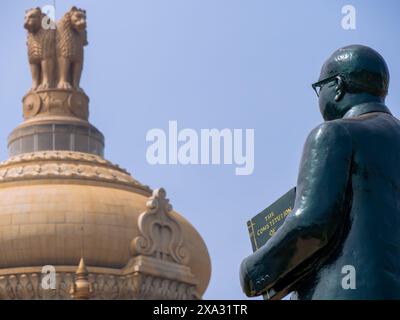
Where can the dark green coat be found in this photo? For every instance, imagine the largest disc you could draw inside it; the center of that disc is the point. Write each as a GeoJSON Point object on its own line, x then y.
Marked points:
{"type": "Point", "coordinates": [347, 212]}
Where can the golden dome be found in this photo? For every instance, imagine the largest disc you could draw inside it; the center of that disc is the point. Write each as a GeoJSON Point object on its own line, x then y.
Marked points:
{"type": "Point", "coordinates": [57, 205]}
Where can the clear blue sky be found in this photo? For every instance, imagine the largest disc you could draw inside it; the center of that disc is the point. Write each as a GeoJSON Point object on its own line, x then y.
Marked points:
{"type": "Point", "coordinates": [207, 64]}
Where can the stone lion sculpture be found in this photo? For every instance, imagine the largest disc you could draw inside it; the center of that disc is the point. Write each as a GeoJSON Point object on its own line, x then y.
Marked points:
{"type": "Point", "coordinates": [41, 49]}
{"type": "Point", "coordinates": [70, 41]}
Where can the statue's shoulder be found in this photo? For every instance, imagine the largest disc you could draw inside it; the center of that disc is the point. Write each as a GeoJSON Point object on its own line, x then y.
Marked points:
{"type": "Point", "coordinates": [329, 132]}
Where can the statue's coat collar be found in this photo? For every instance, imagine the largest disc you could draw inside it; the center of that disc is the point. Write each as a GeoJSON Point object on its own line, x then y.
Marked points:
{"type": "Point", "coordinates": [364, 108]}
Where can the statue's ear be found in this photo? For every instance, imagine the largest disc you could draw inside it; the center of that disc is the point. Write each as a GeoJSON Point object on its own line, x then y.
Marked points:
{"type": "Point", "coordinates": [340, 88]}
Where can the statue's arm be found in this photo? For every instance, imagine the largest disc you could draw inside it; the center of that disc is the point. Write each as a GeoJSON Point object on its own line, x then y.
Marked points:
{"type": "Point", "coordinates": [317, 213]}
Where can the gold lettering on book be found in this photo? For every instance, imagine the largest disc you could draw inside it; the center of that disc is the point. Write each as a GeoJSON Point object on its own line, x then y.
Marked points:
{"type": "Point", "coordinates": [271, 220]}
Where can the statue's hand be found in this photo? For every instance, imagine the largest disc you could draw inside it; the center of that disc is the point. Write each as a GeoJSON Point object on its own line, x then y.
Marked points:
{"type": "Point", "coordinates": [256, 274]}
{"type": "Point", "coordinates": [245, 280]}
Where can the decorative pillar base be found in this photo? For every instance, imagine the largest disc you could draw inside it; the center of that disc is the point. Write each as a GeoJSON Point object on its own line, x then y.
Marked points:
{"type": "Point", "coordinates": [56, 119]}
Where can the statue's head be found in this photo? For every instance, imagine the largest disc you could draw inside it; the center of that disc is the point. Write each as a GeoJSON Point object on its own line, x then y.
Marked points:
{"type": "Point", "coordinates": [33, 19]}
{"type": "Point", "coordinates": [78, 19]}
{"type": "Point", "coordinates": [352, 75]}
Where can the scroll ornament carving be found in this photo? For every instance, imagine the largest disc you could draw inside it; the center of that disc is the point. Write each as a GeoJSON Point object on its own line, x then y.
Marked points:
{"type": "Point", "coordinates": [160, 234]}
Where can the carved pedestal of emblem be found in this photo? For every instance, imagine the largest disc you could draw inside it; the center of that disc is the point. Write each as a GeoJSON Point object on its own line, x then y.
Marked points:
{"type": "Point", "coordinates": [56, 102]}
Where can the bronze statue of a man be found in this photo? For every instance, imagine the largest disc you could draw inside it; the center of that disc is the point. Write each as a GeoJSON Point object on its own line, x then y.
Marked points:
{"type": "Point", "coordinates": [346, 217]}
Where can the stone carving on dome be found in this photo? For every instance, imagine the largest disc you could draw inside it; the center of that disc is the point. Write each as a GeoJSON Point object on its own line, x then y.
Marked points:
{"type": "Point", "coordinates": [156, 287]}
{"type": "Point", "coordinates": [60, 155]}
{"type": "Point", "coordinates": [27, 286]}
{"type": "Point", "coordinates": [160, 234]}
{"type": "Point", "coordinates": [106, 286]}
{"type": "Point", "coordinates": [67, 170]}
{"type": "Point", "coordinates": [65, 164]}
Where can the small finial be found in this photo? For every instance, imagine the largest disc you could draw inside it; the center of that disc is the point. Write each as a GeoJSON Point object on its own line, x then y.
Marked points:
{"type": "Point", "coordinates": [81, 289]}
{"type": "Point", "coordinates": [82, 270]}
